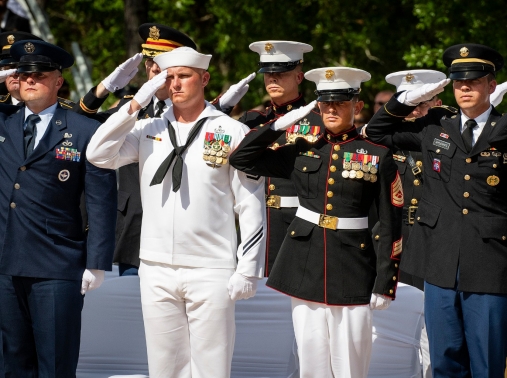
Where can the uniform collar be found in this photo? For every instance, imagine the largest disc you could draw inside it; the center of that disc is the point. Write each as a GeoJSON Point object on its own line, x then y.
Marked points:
{"type": "Point", "coordinates": [288, 106]}
{"type": "Point", "coordinates": [344, 136]}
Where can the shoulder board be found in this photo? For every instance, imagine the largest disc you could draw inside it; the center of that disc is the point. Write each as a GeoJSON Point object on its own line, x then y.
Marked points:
{"type": "Point", "coordinates": [66, 103]}
{"type": "Point", "coordinates": [5, 98]}
{"type": "Point", "coordinates": [128, 96]}
{"type": "Point", "coordinates": [446, 107]}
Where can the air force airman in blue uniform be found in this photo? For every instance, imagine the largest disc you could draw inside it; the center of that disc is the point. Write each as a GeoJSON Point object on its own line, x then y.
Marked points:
{"type": "Point", "coordinates": [46, 262]}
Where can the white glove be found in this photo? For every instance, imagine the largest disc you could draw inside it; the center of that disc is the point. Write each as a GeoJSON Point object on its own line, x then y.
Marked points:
{"type": "Point", "coordinates": [289, 119]}
{"type": "Point", "coordinates": [424, 93]}
{"type": "Point", "coordinates": [92, 279]}
{"type": "Point", "coordinates": [241, 287]}
{"type": "Point", "coordinates": [497, 96]}
{"type": "Point", "coordinates": [235, 92]}
{"type": "Point", "coordinates": [379, 302]}
{"type": "Point", "coordinates": [5, 74]}
{"type": "Point", "coordinates": [122, 75]}
{"type": "Point", "coordinates": [148, 90]}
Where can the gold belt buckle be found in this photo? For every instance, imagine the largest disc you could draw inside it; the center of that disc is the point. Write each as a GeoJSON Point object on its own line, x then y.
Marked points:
{"type": "Point", "coordinates": [273, 201]}
{"type": "Point", "coordinates": [416, 170]}
{"type": "Point", "coordinates": [411, 214]}
{"type": "Point", "coordinates": [328, 221]}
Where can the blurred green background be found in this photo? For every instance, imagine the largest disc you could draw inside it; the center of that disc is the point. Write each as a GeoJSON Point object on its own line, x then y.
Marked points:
{"type": "Point", "coordinates": [377, 36]}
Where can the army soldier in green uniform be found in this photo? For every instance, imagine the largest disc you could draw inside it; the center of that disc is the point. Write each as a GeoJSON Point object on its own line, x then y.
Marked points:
{"type": "Point", "coordinates": [327, 262]}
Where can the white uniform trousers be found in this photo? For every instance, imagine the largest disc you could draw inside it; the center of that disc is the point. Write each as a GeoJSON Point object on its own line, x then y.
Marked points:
{"type": "Point", "coordinates": [188, 320]}
{"type": "Point", "coordinates": [333, 341]}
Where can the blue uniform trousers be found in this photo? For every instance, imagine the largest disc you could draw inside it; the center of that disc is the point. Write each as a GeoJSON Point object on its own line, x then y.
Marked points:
{"type": "Point", "coordinates": [467, 333]}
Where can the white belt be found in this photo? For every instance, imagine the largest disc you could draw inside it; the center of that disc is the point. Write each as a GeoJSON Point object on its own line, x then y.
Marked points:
{"type": "Point", "coordinates": [333, 223]}
{"type": "Point", "coordinates": [278, 201]}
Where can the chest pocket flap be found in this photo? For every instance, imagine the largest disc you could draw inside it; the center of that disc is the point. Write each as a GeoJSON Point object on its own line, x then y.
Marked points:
{"type": "Point", "coordinates": [427, 213]}
{"type": "Point", "coordinates": [493, 228]}
{"type": "Point", "coordinates": [307, 164]}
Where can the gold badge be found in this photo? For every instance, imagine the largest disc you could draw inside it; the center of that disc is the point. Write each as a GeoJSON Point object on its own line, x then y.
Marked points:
{"type": "Point", "coordinates": [329, 74]}
{"type": "Point", "coordinates": [409, 77]}
{"type": "Point", "coordinates": [29, 47]}
{"type": "Point", "coordinates": [289, 108]}
{"type": "Point", "coordinates": [268, 47]}
{"type": "Point", "coordinates": [154, 33]}
{"type": "Point", "coordinates": [464, 52]}
{"type": "Point", "coordinates": [493, 180]}
{"type": "Point", "coordinates": [11, 39]}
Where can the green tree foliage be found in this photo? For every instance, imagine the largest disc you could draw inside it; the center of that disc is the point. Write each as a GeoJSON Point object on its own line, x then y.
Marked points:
{"type": "Point", "coordinates": [378, 36]}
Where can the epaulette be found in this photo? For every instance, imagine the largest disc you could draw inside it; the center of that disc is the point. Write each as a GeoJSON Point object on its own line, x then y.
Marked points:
{"type": "Point", "coordinates": [128, 96]}
{"type": "Point", "coordinates": [446, 107]}
{"type": "Point", "coordinates": [5, 98]}
{"type": "Point", "coordinates": [66, 103]}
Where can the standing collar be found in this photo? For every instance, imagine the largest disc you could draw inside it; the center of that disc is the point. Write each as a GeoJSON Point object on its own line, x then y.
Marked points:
{"type": "Point", "coordinates": [344, 136]}
{"type": "Point", "coordinates": [288, 106]}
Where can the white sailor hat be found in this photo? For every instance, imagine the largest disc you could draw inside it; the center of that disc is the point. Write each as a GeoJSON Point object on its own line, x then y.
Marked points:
{"type": "Point", "coordinates": [182, 57]}
{"type": "Point", "coordinates": [279, 56]}
{"type": "Point", "coordinates": [413, 79]}
{"type": "Point", "coordinates": [337, 83]}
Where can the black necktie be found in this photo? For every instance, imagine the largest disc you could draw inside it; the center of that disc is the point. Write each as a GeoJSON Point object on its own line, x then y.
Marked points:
{"type": "Point", "coordinates": [30, 133]}
{"type": "Point", "coordinates": [177, 153]}
{"type": "Point", "coordinates": [160, 108]}
{"type": "Point", "coordinates": [468, 133]}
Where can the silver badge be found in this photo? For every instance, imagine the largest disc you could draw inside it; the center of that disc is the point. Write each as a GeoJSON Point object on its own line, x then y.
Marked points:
{"type": "Point", "coordinates": [66, 135]}
{"type": "Point", "coordinates": [67, 143]}
{"type": "Point", "coordinates": [29, 47]}
{"type": "Point", "coordinates": [362, 151]}
{"type": "Point", "coordinates": [63, 175]}
{"type": "Point", "coordinates": [58, 122]}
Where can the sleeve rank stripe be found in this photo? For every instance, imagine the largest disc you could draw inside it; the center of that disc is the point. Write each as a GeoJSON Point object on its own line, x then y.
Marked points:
{"type": "Point", "coordinates": [253, 241]}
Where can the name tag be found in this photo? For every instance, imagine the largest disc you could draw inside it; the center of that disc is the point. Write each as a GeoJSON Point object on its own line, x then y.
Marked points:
{"type": "Point", "coordinates": [441, 143]}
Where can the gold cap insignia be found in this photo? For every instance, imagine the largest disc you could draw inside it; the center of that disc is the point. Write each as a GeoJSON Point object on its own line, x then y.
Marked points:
{"type": "Point", "coordinates": [154, 33]}
{"type": "Point", "coordinates": [11, 39]}
{"type": "Point", "coordinates": [29, 47]}
{"type": "Point", "coordinates": [409, 77]}
{"type": "Point", "coordinates": [268, 47]}
{"type": "Point", "coordinates": [329, 74]}
{"type": "Point", "coordinates": [464, 52]}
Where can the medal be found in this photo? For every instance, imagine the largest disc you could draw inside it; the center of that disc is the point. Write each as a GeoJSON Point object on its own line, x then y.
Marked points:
{"type": "Point", "coordinates": [226, 148]}
{"type": "Point", "coordinates": [359, 174]}
{"type": "Point", "coordinates": [212, 152]}
{"type": "Point", "coordinates": [224, 161]}
{"type": "Point", "coordinates": [345, 174]}
{"type": "Point", "coordinates": [212, 159]}
{"type": "Point", "coordinates": [373, 170]}
{"type": "Point", "coordinates": [352, 174]}
{"type": "Point", "coordinates": [205, 157]}
{"type": "Point", "coordinates": [373, 177]}
{"type": "Point", "coordinates": [219, 160]}
{"type": "Point", "coordinates": [356, 166]}
{"type": "Point", "coordinates": [367, 177]}
{"type": "Point", "coordinates": [220, 153]}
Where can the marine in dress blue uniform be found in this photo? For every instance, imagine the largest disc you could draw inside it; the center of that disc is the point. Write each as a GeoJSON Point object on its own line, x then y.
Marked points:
{"type": "Point", "coordinates": [44, 253]}
{"type": "Point", "coordinates": [327, 262]}
{"type": "Point", "coordinates": [458, 242]}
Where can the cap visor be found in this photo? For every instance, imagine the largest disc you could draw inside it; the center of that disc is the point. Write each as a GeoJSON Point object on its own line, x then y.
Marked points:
{"type": "Point", "coordinates": [468, 75]}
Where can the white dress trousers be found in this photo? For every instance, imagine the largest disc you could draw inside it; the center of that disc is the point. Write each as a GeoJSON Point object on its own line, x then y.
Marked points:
{"type": "Point", "coordinates": [188, 320]}
{"type": "Point", "coordinates": [333, 341]}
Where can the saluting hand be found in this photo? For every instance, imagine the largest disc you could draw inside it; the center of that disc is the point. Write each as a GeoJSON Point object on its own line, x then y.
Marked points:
{"type": "Point", "coordinates": [424, 93]}
{"type": "Point", "coordinates": [497, 96]}
{"type": "Point", "coordinates": [147, 91]}
{"type": "Point", "coordinates": [5, 74]}
{"type": "Point", "coordinates": [235, 92]}
{"type": "Point", "coordinates": [289, 119]}
{"type": "Point", "coordinates": [92, 279]}
{"type": "Point", "coordinates": [122, 75]}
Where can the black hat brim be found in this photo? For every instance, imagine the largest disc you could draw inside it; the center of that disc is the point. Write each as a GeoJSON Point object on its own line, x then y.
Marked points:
{"type": "Point", "coordinates": [468, 75]}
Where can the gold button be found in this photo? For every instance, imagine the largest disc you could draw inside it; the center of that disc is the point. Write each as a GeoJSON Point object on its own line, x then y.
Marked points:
{"type": "Point", "coordinates": [13, 205]}
{"type": "Point", "coordinates": [377, 237]}
{"type": "Point", "coordinates": [413, 201]}
{"type": "Point", "coordinates": [465, 211]}
{"type": "Point", "coordinates": [466, 194]}
{"type": "Point", "coordinates": [335, 156]}
{"type": "Point", "coordinates": [330, 181]}
{"type": "Point", "coordinates": [329, 206]}
{"type": "Point", "coordinates": [468, 160]}
{"type": "Point", "coordinates": [504, 237]}
{"type": "Point", "coordinates": [418, 218]}
{"type": "Point", "coordinates": [332, 168]}
{"type": "Point", "coordinates": [418, 163]}
{"type": "Point", "coordinates": [17, 186]}
{"type": "Point", "coordinates": [391, 291]}
{"type": "Point", "coordinates": [336, 147]}
{"type": "Point", "coordinates": [417, 182]}
{"type": "Point", "coordinates": [304, 169]}
{"type": "Point", "coordinates": [23, 168]}
{"type": "Point", "coordinates": [261, 125]}
{"type": "Point", "coordinates": [438, 150]}
{"type": "Point", "coordinates": [467, 177]}
{"type": "Point", "coordinates": [396, 265]}
{"type": "Point", "coordinates": [395, 278]}
{"type": "Point", "coordinates": [494, 165]}
{"type": "Point", "coordinates": [271, 187]}
{"type": "Point", "coordinates": [330, 194]}
{"type": "Point", "coordinates": [293, 233]}
{"type": "Point", "coordinates": [363, 245]}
